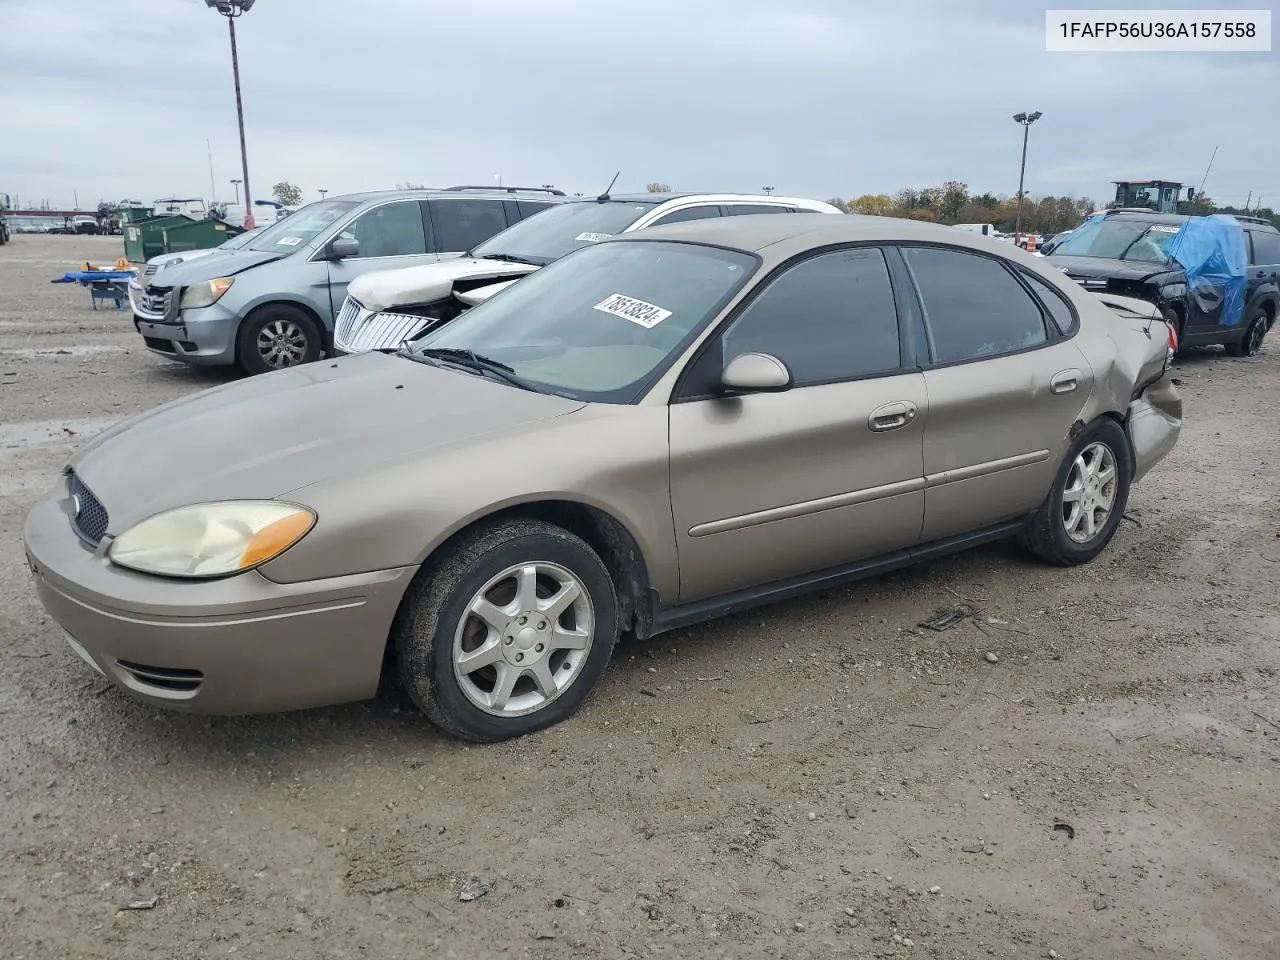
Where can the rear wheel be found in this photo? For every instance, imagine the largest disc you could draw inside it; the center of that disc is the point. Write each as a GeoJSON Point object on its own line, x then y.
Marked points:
{"type": "Point", "coordinates": [507, 632]}
{"type": "Point", "coordinates": [1080, 516]}
{"type": "Point", "coordinates": [1255, 330]}
{"type": "Point", "coordinates": [275, 337]}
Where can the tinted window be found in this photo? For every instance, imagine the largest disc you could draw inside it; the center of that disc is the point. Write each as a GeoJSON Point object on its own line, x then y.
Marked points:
{"type": "Point", "coordinates": [1266, 247]}
{"type": "Point", "coordinates": [529, 207]}
{"type": "Point", "coordinates": [391, 230]}
{"type": "Point", "coordinates": [704, 212]}
{"type": "Point", "coordinates": [973, 305]}
{"type": "Point", "coordinates": [461, 224]}
{"type": "Point", "coordinates": [828, 318]}
{"type": "Point", "coordinates": [1059, 311]}
{"type": "Point", "coordinates": [746, 209]}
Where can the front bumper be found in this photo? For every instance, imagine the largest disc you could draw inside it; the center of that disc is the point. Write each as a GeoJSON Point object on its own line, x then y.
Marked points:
{"type": "Point", "coordinates": [243, 644]}
{"type": "Point", "coordinates": [1155, 420]}
{"type": "Point", "coordinates": [204, 337]}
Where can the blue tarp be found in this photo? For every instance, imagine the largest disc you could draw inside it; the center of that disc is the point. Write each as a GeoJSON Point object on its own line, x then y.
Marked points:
{"type": "Point", "coordinates": [95, 276]}
{"type": "Point", "coordinates": [1211, 252]}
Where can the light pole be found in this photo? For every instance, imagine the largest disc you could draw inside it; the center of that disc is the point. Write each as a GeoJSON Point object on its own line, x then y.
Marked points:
{"type": "Point", "coordinates": [1026, 119]}
{"type": "Point", "coordinates": [236, 184]}
{"type": "Point", "coordinates": [231, 9]}
{"type": "Point", "coordinates": [768, 191]}
{"type": "Point", "coordinates": [322, 193]}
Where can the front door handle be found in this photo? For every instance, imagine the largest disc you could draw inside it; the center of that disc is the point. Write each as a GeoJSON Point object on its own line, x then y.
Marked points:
{"type": "Point", "coordinates": [1065, 381]}
{"type": "Point", "coordinates": [891, 416]}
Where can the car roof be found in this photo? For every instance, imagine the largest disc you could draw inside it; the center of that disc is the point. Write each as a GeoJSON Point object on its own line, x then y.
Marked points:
{"type": "Point", "coordinates": [1152, 217]}
{"type": "Point", "coordinates": [696, 195]}
{"type": "Point", "coordinates": [753, 233]}
{"type": "Point", "coordinates": [427, 193]}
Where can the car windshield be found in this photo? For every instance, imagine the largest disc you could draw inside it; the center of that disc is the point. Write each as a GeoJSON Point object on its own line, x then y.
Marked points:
{"type": "Point", "coordinates": [602, 323]}
{"type": "Point", "coordinates": [1138, 240]}
{"type": "Point", "coordinates": [563, 228]}
{"type": "Point", "coordinates": [299, 229]}
{"type": "Point", "coordinates": [241, 239]}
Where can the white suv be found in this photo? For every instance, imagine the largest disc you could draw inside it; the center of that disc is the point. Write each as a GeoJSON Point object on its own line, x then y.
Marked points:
{"type": "Point", "coordinates": [384, 308]}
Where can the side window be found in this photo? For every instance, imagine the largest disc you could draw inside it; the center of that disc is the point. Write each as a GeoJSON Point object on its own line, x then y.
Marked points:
{"type": "Point", "coordinates": [830, 317]}
{"type": "Point", "coordinates": [1059, 309]}
{"type": "Point", "coordinates": [391, 230]}
{"type": "Point", "coordinates": [1266, 248]}
{"type": "Point", "coordinates": [704, 212]}
{"type": "Point", "coordinates": [529, 207]}
{"type": "Point", "coordinates": [747, 209]}
{"type": "Point", "coordinates": [462, 224]}
{"type": "Point", "coordinates": [973, 305]}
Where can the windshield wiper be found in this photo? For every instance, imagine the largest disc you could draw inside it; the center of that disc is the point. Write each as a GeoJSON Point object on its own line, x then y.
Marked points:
{"type": "Point", "coordinates": [510, 258]}
{"type": "Point", "coordinates": [472, 360]}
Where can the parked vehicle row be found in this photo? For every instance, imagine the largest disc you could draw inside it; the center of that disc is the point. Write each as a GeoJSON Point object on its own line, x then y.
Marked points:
{"type": "Point", "coordinates": [272, 302]}
{"type": "Point", "coordinates": [656, 428]}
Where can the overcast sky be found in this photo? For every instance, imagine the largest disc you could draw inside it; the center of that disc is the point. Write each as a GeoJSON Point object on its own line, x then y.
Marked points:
{"type": "Point", "coordinates": [813, 97]}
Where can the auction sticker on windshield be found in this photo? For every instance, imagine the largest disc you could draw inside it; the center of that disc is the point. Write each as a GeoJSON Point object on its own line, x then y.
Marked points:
{"type": "Point", "coordinates": [629, 308]}
{"type": "Point", "coordinates": [593, 237]}
{"type": "Point", "coordinates": [289, 241]}
{"type": "Point", "coordinates": [1164, 228]}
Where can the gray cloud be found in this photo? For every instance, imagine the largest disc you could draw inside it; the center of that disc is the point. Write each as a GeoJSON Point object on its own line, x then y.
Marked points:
{"type": "Point", "coordinates": [813, 97]}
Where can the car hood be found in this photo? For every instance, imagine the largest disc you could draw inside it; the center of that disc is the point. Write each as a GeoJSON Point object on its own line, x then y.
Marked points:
{"type": "Point", "coordinates": [380, 290]}
{"type": "Point", "coordinates": [1103, 267]}
{"type": "Point", "coordinates": [226, 264]}
{"type": "Point", "coordinates": [263, 437]}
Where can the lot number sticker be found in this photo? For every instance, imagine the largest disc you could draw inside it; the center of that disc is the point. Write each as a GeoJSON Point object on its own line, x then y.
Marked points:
{"type": "Point", "coordinates": [637, 311]}
{"type": "Point", "coordinates": [593, 237]}
{"type": "Point", "coordinates": [289, 241]}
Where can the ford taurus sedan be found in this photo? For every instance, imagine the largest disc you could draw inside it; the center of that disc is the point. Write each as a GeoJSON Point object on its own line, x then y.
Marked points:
{"type": "Point", "coordinates": [655, 430]}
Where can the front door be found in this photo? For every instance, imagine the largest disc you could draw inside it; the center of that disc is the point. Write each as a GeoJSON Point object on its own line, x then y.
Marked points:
{"type": "Point", "coordinates": [769, 486]}
{"type": "Point", "coordinates": [1005, 384]}
{"type": "Point", "coordinates": [390, 235]}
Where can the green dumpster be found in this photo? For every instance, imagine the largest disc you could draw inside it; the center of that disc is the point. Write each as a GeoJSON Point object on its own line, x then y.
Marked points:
{"type": "Point", "coordinates": [197, 235]}
{"type": "Point", "coordinates": [144, 239]}
{"type": "Point", "coordinates": [135, 214]}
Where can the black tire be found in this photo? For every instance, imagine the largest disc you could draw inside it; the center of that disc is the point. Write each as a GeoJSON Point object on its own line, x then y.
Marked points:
{"type": "Point", "coordinates": [1254, 331]}
{"type": "Point", "coordinates": [435, 610]}
{"type": "Point", "coordinates": [1046, 534]}
{"type": "Point", "coordinates": [296, 339]}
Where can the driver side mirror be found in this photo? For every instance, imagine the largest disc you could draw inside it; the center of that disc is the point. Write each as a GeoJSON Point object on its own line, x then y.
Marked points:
{"type": "Point", "coordinates": [344, 247]}
{"type": "Point", "coordinates": [756, 373]}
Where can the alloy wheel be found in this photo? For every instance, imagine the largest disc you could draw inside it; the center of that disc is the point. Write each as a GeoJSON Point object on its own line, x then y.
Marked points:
{"type": "Point", "coordinates": [282, 343]}
{"type": "Point", "coordinates": [524, 639]}
{"type": "Point", "coordinates": [1090, 492]}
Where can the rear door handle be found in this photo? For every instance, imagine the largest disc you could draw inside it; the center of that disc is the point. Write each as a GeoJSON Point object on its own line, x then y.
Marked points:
{"type": "Point", "coordinates": [1065, 381]}
{"type": "Point", "coordinates": [891, 416]}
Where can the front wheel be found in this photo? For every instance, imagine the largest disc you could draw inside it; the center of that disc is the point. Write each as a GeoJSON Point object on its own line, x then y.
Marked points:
{"type": "Point", "coordinates": [1080, 516]}
{"type": "Point", "coordinates": [275, 337]}
{"type": "Point", "coordinates": [507, 632]}
{"type": "Point", "coordinates": [1250, 345]}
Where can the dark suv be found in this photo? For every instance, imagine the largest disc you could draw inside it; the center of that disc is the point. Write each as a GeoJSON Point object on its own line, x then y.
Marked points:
{"type": "Point", "coordinates": [1126, 256]}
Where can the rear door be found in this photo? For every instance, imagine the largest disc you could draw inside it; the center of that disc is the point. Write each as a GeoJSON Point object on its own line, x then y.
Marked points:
{"type": "Point", "coordinates": [1004, 386]}
{"type": "Point", "coordinates": [460, 223]}
{"type": "Point", "coordinates": [774, 485]}
{"type": "Point", "coordinates": [390, 235]}
{"type": "Point", "coordinates": [1264, 262]}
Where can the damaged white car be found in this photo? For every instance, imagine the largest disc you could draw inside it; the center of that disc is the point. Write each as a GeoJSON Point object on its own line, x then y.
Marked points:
{"type": "Point", "coordinates": [385, 308]}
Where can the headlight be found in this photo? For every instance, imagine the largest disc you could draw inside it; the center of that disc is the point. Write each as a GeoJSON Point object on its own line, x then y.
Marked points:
{"type": "Point", "coordinates": [206, 293]}
{"type": "Point", "coordinates": [212, 539]}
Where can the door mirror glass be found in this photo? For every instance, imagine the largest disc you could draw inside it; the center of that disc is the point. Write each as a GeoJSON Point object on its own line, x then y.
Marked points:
{"type": "Point", "coordinates": [755, 373]}
{"type": "Point", "coordinates": [344, 247]}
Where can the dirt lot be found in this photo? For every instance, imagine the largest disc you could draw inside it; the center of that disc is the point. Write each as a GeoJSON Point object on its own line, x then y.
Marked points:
{"type": "Point", "coordinates": [818, 779]}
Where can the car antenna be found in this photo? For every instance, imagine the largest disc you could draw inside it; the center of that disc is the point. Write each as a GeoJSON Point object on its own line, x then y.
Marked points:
{"type": "Point", "coordinates": [604, 197]}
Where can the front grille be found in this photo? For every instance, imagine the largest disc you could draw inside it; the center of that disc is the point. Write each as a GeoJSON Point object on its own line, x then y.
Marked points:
{"type": "Point", "coordinates": [153, 304]}
{"type": "Point", "coordinates": [1090, 283]}
{"type": "Point", "coordinates": [358, 330]}
{"type": "Point", "coordinates": [90, 517]}
{"type": "Point", "coordinates": [162, 681]}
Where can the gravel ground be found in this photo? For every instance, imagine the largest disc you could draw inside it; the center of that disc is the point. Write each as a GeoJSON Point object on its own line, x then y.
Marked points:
{"type": "Point", "coordinates": [821, 778]}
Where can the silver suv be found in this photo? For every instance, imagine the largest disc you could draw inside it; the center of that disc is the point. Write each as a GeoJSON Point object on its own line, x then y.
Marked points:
{"type": "Point", "coordinates": [384, 308]}
{"type": "Point", "coordinates": [271, 303]}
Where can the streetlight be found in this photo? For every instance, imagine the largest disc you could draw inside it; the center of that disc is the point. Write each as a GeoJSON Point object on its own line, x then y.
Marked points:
{"type": "Point", "coordinates": [236, 184]}
{"type": "Point", "coordinates": [322, 193]}
{"type": "Point", "coordinates": [231, 9]}
{"type": "Point", "coordinates": [768, 191]}
{"type": "Point", "coordinates": [1026, 119]}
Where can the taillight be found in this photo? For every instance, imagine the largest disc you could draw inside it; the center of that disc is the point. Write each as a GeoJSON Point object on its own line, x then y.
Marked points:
{"type": "Point", "coordinates": [1173, 338]}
